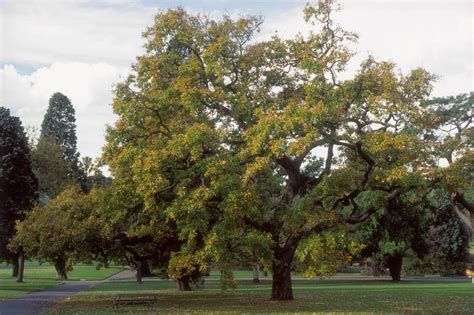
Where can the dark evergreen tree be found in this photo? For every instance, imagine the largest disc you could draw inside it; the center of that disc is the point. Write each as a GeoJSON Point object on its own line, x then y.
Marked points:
{"type": "Point", "coordinates": [451, 239]}
{"type": "Point", "coordinates": [18, 184]}
{"type": "Point", "coordinates": [401, 227]}
{"type": "Point", "coordinates": [59, 124]}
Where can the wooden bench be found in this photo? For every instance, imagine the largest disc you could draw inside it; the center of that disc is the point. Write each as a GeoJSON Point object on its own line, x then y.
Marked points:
{"type": "Point", "coordinates": [135, 299]}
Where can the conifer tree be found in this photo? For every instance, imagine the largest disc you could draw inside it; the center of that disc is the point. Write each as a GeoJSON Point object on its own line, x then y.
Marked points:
{"type": "Point", "coordinates": [18, 184]}
{"type": "Point", "coordinates": [59, 125]}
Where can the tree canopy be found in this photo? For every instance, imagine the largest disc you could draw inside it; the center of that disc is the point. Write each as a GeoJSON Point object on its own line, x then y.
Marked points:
{"type": "Point", "coordinates": [228, 149]}
{"type": "Point", "coordinates": [232, 138]}
{"type": "Point", "coordinates": [59, 126]}
{"type": "Point", "coordinates": [18, 184]}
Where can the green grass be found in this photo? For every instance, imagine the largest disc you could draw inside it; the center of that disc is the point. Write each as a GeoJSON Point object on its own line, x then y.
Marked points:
{"type": "Point", "coordinates": [238, 274]}
{"type": "Point", "coordinates": [11, 289]}
{"type": "Point", "coordinates": [310, 296]}
{"type": "Point", "coordinates": [39, 277]}
{"type": "Point", "coordinates": [33, 270]}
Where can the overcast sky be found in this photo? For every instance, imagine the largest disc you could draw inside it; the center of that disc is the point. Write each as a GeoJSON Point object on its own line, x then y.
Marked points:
{"type": "Point", "coordinates": [82, 48]}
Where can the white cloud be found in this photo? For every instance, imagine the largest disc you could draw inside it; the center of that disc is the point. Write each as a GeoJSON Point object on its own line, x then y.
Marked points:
{"type": "Point", "coordinates": [81, 47]}
{"type": "Point", "coordinates": [43, 32]}
{"type": "Point", "coordinates": [88, 86]}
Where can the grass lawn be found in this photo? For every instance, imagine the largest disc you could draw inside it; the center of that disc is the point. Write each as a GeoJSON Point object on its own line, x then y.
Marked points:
{"type": "Point", "coordinates": [39, 277]}
{"type": "Point", "coordinates": [33, 270]}
{"type": "Point", "coordinates": [310, 296]}
{"type": "Point", "coordinates": [11, 289]}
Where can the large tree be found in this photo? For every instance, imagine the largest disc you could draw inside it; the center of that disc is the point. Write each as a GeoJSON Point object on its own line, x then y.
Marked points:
{"type": "Point", "coordinates": [59, 125]}
{"type": "Point", "coordinates": [18, 184]}
{"type": "Point", "coordinates": [233, 138]}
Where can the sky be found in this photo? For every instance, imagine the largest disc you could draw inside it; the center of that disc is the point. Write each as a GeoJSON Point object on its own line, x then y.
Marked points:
{"type": "Point", "coordinates": [81, 48]}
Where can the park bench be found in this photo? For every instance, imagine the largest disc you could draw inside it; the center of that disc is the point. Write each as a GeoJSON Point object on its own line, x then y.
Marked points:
{"type": "Point", "coordinates": [135, 299]}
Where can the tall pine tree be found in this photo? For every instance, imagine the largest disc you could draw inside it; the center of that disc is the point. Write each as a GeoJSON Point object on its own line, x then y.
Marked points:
{"type": "Point", "coordinates": [59, 125]}
{"type": "Point", "coordinates": [18, 184]}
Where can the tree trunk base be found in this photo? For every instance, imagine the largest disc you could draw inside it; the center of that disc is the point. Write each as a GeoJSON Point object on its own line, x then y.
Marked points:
{"type": "Point", "coordinates": [395, 267]}
{"type": "Point", "coordinates": [146, 272]}
{"type": "Point", "coordinates": [15, 268]}
{"type": "Point", "coordinates": [281, 286]}
{"type": "Point", "coordinates": [256, 274]}
{"type": "Point", "coordinates": [183, 285]}
{"type": "Point", "coordinates": [21, 268]}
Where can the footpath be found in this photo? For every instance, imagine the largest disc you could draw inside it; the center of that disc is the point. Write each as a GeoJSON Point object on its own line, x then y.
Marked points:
{"type": "Point", "coordinates": [38, 302]}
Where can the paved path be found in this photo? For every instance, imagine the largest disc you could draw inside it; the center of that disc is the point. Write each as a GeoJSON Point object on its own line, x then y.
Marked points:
{"type": "Point", "coordinates": [38, 302]}
{"type": "Point", "coordinates": [125, 274]}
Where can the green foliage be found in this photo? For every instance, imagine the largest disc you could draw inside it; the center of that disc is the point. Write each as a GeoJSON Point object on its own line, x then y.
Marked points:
{"type": "Point", "coordinates": [61, 232]}
{"type": "Point", "coordinates": [219, 134]}
{"type": "Point", "coordinates": [51, 169]}
{"type": "Point", "coordinates": [93, 174]}
{"type": "Point", "coordinates": [18, 184]}
{"type": "Point", "coordinates": [451, 238]}
{"type": "Point", "coordinates": [453, 140]}
{"type": "Point", "coordinates": [59, 125]}
{"type": "Point", "coordinates": [402, 226]}
{"type": "Point", "coordinates": [320, 255]}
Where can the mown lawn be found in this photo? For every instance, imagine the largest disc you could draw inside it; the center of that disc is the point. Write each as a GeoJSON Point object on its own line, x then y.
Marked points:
{"type": "Point", "coordinates": [36, 271]}
{"type": "Point", "coordinates": [11, 289]}
{"type": "Point", "coordinates": [310, 296]}
{"type": "Point", "coordinates": [39, 277]}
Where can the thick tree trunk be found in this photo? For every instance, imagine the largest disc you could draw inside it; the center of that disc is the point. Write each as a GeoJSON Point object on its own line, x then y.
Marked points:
{"type": "Point", "coordinates": [281, 268]}
{"type": "Point", "coordinates": [146, 272]}
{"type": "Point", "coordinates": [21, 268]}
{"type": "Point", "coordinates": [256, 273]}
{"type": "Point", "coordinates": [15, 268]}
{"type": "Point", "coordinates": [139, 272]}
{"type": "Point", "coordinates": [183, 284]}
{"type": "Point", "coordinates": [61, 268]}
{"type": "Point", "coordinates": [394, 264]}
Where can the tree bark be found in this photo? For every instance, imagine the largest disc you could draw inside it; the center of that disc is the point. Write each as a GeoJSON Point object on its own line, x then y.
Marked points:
{"type": "Point", "coordinates": [139, 272]}
{"type": "Point", "coordinates": [281, 268]}
{"type": "Point", "coordinates": [183, 284]}
{"type": "Point", "coordinates": [256, 273]}
{"type": "Point", "coordinates": [394, 264]}
{"type": "Point", "coordinates": [61, 268]}
{"type": "Point", "coordinates": [21, 268]}
{"type": "Point", "coordinates": [146, 272]}
{"type": "Point", "coordinates": [15, 268]}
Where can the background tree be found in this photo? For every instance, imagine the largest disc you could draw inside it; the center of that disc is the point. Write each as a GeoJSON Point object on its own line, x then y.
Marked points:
{"type": "Point", "coordinates": [402, 227]}
{"type": "Point", "coordinates": [51, 169]}
{"type": "Point", "coordinates": [451, 241]}
{"type": "Point", "coordinates": [64, 231]}
{"type": "Point", "coordinates": [93, 174]}
{"type": "Point", "coordinates": [18, 185]}
{"type": "Point", "coordinates": [453, 141]}
{"type": "Point", "coordinates": [59, 125]}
